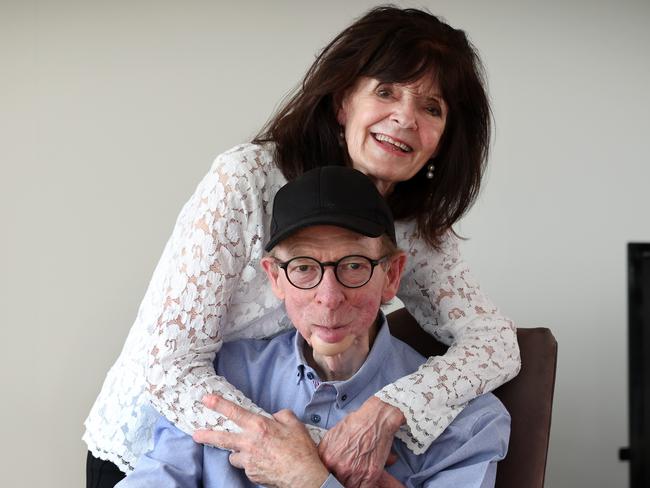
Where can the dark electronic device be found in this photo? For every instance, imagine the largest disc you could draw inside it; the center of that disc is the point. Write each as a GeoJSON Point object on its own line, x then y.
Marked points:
{"type": "Point", "coordinates": [638, 286]}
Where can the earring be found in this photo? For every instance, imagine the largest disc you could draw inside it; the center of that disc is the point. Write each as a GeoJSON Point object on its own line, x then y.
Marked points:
{"type": "Point", "coordinates": [341, 136]}
{"type": "Point", "coordinates": [430, 170]}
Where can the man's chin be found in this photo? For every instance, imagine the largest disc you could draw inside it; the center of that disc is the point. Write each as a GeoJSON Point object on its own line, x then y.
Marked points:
{"type": "Point", "coordinates": [325, 348]}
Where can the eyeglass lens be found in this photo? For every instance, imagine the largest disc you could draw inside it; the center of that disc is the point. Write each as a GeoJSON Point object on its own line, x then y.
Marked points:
{"type": "Point", "coordinates": [351, 271]}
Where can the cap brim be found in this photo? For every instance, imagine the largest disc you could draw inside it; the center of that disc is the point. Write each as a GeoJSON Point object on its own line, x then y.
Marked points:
{"type": "Point", "coordinates": [356, 224]}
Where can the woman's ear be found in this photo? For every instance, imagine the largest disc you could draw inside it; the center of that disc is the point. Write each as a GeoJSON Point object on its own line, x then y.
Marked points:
{"type": "Point", "coordinates": [393, 276]}
{"type": "Point", "coordinates": [272, 270]}
{"type": "Point", "coordinates": [340, 104]}
{"type": "Point", "coordinates": [341, 116]}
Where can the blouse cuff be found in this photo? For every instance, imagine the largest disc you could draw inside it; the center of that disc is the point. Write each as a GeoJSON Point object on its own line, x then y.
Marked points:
{"type": "Point", "coordinates": [331, 482]}
{"type": "Point", "coordinates": [316, 433]}
{"type": "Point", "coordinates": [422, 426]}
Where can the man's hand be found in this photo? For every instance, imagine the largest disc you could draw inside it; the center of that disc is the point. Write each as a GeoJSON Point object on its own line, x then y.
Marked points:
{"type": "Point", "coordinates": [275, 452]}
{"type": "Point", "coordinates": [357, 448]}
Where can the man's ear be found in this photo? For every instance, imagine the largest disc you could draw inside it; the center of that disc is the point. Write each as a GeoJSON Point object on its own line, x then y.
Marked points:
{"type": "Point", "coordinates": [393, 276]}
{"type": "Point", "coordinates": [272, 271]}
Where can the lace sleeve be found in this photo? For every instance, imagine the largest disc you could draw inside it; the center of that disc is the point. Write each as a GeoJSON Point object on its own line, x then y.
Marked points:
{"type": "Point", "coordinates": [206, 260]}
{"type": "Point", "coordinates": [439, 291]}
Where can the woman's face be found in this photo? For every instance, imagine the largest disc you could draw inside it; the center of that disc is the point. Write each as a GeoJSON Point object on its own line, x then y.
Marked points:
{"type": "Point", "coordinates": [392, 129]}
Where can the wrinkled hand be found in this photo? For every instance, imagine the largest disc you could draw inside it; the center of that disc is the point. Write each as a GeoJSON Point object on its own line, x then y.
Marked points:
{"type": "Point", "coordinates": [356, 450]}
{"type": "Point", "coordinates": [275, 451]}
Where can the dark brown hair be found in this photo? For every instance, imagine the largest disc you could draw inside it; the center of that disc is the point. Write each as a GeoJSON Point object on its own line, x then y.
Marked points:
{"type": "Point", "coordinates": [397, 46]}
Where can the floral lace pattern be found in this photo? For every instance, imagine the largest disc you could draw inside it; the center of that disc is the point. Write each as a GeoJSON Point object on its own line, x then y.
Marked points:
{"type": "Point", "coordinates": [208, 288]}
{"type": "Point", "coordinates": [440, 293]}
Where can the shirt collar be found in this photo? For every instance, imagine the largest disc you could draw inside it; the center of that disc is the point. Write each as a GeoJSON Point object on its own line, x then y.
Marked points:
{"type": "Point", "coordinates": [381, 350]}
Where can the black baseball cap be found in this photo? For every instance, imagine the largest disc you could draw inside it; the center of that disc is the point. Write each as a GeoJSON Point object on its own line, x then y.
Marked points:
{"type": "Point", "coordinates": [330, 195]}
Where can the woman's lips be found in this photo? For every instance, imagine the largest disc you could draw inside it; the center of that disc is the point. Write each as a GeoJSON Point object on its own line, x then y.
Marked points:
{"type": "Point", "coordinates": [391, 144]}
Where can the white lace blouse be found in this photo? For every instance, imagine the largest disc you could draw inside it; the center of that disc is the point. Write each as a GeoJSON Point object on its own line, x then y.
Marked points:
{"type": "Point", "coordinates": [208, 287]}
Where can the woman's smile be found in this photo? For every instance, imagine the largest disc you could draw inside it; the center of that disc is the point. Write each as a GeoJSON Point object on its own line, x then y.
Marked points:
{"type": "Point", "coordinates": [392, 130]}
{"type": "Point", "coordinates": [391, 144]}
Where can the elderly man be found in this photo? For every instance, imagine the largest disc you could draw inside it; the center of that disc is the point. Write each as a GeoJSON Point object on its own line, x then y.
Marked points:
{"type": "Point", "coordinates": [333, 261]}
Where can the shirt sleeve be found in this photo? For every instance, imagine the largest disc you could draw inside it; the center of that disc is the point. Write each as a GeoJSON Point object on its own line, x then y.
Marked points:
{"type": "Point", "coordinates": [176, 460]}
{"type": "Point", "coordinates": [440, 292]}
{"type": "Point", "coordinates": [331, 482]}
{"type": "Point", "coordinates": [470, 459]}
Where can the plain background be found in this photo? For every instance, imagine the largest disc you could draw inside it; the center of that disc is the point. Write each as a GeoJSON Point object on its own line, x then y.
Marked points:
{"type": "Point", "coordinates": [111, 112]}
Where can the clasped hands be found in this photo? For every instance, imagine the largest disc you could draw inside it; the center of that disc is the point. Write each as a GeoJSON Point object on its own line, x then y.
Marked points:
{"type": "Point", "coordinates": [278, 451]}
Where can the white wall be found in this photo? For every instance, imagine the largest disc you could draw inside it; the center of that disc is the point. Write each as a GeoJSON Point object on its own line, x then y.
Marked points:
{"type": "Point", "coordinates": [110, 112]}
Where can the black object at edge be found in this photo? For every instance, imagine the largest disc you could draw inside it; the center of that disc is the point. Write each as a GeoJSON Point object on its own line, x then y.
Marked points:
{"type": "Point", "coordinates": [638, 277]}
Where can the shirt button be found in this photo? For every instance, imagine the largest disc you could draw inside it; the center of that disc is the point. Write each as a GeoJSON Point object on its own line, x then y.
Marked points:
{"type": "Point", "coordinates": [310, 376]}
{"type": "Point", "coordinates": [344, 397]}
{"type": "Point", "coordinates": [315, 418]}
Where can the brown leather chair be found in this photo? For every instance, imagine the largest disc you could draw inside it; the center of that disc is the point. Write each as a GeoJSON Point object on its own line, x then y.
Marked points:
{"type": "Point", "coordinates": [528, 398]}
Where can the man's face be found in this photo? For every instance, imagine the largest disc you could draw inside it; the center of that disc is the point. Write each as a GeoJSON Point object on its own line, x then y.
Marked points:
{"type": "Point", "coordinates": [330, 313]}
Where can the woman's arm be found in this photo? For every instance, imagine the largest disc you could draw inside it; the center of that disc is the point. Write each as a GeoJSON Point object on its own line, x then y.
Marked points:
{"type": "Point", "coordinates": [439, 291]}
{"type": "Point", "coordinates": [275, 451]}
{"type": "Point", "coordinates": [208, 259]}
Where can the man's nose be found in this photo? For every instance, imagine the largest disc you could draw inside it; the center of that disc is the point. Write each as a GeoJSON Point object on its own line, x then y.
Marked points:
{"type": "Point", "coordinates": [329, 291]}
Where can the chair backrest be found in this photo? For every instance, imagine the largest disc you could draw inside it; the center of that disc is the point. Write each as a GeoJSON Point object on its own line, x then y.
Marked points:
{"type": "Point", "coordinates": [528, 398]}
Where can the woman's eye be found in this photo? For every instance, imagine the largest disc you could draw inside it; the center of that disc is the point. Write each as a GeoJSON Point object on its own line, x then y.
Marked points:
{"type": "Point", "coordinates": [383, 91]}
{"type": "Point", "coordinates": [434, 110]}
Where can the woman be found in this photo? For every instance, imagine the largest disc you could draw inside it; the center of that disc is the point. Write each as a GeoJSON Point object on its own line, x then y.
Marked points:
{"type": "Point", "coordinates": [398, 95]}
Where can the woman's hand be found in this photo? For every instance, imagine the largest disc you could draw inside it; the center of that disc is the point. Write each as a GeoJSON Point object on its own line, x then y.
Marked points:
{"type": "Point", "coordinates": [275, 452]}
{"type": "Point", "coordinates": [357, 448]}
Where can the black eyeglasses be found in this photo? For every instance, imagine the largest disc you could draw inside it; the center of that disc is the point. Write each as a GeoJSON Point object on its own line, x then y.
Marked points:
{"type": "Point", "coordinates": [351, 271]}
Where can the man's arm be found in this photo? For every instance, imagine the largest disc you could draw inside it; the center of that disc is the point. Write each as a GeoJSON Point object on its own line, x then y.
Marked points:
{"type": "Point", "coordinates": [176, 460]}
{"type": "Point", "coordinates": [469, 457]}
{"type": "Point", "coordinates": [276, 451]}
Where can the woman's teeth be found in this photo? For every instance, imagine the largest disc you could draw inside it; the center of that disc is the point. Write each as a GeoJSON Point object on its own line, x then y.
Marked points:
{"type": "Point", "coordinates": [390, 140]}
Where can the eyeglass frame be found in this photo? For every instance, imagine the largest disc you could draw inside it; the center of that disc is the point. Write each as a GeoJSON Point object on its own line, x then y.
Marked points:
{"type": "Point", "coordinates": [333, 264]}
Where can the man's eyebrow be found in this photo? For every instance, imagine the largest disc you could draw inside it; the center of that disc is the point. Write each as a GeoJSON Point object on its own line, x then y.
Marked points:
{"type": "Point", "coordinates": [300, 249]}
{"type": "Point", "coordinates": [293, 248]}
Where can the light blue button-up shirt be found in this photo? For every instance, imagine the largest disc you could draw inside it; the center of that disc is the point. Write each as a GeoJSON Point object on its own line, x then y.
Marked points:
{"type": "Point", "coordinates": [274, 374]}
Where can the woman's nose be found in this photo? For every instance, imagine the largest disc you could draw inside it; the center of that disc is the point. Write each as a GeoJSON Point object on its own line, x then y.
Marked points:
{"type": "Point", "coordinates": [329, 291]}
{"type": "Point", "coordinates": [404, 114]}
